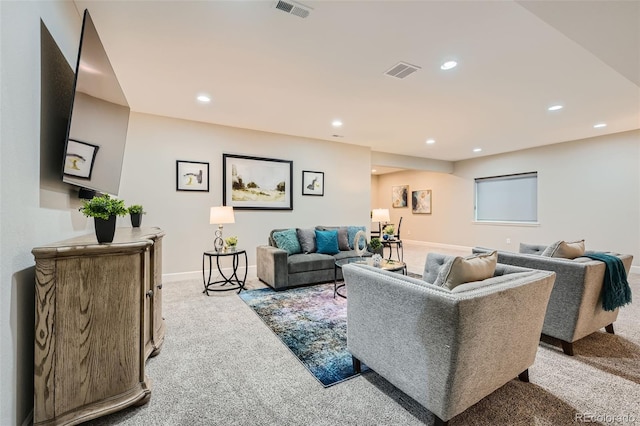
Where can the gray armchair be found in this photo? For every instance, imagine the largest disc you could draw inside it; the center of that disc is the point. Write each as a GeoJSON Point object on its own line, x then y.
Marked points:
{"type": "Point", "coordinates": [447, 349]}
{"type": "Point", "coordinates": [575, 306]}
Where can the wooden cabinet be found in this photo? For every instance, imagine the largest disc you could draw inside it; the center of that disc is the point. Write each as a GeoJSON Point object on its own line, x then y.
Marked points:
{"type": "Point", "coordinates": [98, 318]}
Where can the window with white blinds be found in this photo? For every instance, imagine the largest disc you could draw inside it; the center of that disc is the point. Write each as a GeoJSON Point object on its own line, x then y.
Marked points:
{"type": "Point", "coordinates": [511, 198]}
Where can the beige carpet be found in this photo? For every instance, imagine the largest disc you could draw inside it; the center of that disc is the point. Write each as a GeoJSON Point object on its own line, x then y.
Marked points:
{"type": "Point", "coordinates": [220, 365]}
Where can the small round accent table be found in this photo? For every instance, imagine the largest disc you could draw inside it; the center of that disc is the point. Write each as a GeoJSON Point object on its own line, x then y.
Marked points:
{"type": "Point", "coordinates": [386, 264]}
{"type": "Point", "coordinates": [234, 281]}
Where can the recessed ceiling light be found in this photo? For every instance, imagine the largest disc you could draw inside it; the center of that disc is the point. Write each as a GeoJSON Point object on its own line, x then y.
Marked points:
{"type": "Point", "coordinates": [373, 170]}
{"type": "Point", "coordinates": [430, 141]}
{"type": "Point", "coordinates": [336, 123]}
{"type": "Point", "coordinates": [599, 125]}
{"type": "Point", "coordinates": [477, 149]}
{"type": "Point", "coordinates": [205, 99]}
{"type": "Point", "coordinates": [555, 107]}
{"type": "Point", "coordinates": [448, 65]}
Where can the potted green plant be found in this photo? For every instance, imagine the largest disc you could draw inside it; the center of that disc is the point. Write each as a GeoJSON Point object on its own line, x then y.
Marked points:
{"type": "Point", "coordinates": [104, 210]}
{"type": "Point", "coordinates": [231, 242]}
{"type": "Point", "coordinates": [388, 232]}
{"type": "Point", "coordinates": [136, 211]}
{"type": "Point", "coordinates": [375, 246]}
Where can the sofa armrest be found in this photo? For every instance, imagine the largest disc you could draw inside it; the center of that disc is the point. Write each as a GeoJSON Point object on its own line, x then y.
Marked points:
{"type": "Point", "coordinates": [272, 266]}
{"type": "Point", "coordinates": [446, 350]}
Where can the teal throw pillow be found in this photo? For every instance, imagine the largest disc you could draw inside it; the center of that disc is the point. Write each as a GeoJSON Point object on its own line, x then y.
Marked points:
{"type": "Point", "coordinates": [327, 242]}
{"type": "Point", "coordinates": [352, 231]}
{"type": "Point", "coordinates": [287, 240]}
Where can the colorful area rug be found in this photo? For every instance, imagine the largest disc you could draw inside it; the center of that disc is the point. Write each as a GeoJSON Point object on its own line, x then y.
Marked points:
{"type": "Point", "coordinates": [312, 324]}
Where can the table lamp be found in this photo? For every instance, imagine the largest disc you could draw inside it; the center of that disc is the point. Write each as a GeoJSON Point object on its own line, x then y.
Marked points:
{"type": "Point", "coordinates": [380, 215]}
{"type": "Point", "coordinates": [220, 215]}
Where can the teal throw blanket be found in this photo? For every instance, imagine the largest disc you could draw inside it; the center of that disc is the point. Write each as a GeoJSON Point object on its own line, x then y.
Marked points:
{"type": "Point", "coordinates": [615, 290]}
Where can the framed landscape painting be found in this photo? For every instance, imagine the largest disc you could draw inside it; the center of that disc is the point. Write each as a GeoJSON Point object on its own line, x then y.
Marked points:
{"type": "Point", "coordinates": [421, 201]}
{"type": "Point", "coordinates": [192, 176]}
{"type": "Point", "coordinates": [312, 183]}
{"type": "Point", "coordinates": [257, 183]}
{"type": "Point", "coordinates": [399, 195]}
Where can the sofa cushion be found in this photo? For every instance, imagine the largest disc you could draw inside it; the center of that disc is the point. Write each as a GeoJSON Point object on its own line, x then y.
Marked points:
{"type": "Point", "coordinates": [565, 250]}
{"type": "Point", "coordinates": [551, 249]}
{"type": "Point", "coordinates": [343, 235]}
{"type": "Point", "coordinates": [570, 250]}
{"type": "Point", "coordinates": [460, 270]}
{"type": "Point", "coordinates": [327, 241]}
{"type": "Point", "coordinates": [309, 262]}
{"type": "Point", "coordinates": [287, 240]}
{"type": "Point", "coordinates": [344, 254]}
{"type": "Point", "coordinates": [351, 235]}
{"type": "Point", "coordinates": [307, 239]}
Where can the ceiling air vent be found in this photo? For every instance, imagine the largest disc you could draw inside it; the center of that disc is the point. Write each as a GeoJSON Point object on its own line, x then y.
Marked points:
{"type": "Point", "coordinates": [293, 8]}
{"type": "Point", "coordinates": [402, 70]}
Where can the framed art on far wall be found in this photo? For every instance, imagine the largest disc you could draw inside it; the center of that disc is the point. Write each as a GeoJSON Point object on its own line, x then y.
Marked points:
{"type": "Point", "coordinates": [257, 183]}
{"type": "Point", "coordinates": [421, 201]}
{"type": "Point", "coordinates": [192, 176]}
{"type": "Point", "coordinates": [79, 159]}
{"type": "Point", "coordinates": [312, 183]}
{"type": "Point", "coordinates": [399, 195]}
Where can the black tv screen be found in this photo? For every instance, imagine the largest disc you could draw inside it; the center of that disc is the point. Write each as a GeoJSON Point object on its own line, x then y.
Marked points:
{"type": "Point", "coordinates": [99, 119]}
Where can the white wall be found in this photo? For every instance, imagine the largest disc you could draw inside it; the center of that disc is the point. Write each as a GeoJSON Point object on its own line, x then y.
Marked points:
{"type": "Point", "coordinates": [149, 178]}
{"type": "Point", "coordinates": [26, 221]}
{"type": "Point", "coordinates": [586, 189]}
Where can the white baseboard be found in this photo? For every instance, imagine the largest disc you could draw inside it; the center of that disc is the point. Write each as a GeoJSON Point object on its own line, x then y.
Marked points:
{"type": "Point", "coordinates": [252, 273]}
{"type": "Point", "coordinates": [439, 245]}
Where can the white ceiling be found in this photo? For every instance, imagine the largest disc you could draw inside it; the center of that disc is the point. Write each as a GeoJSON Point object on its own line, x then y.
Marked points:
{"type": "Point", "coordinates": [271, 71]}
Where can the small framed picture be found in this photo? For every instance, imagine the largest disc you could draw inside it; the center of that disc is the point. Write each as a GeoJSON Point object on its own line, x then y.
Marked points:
{"type": "Point", "coordinates": [399, 195]}
{"type": "Point", "coordinates": [421, 201]}
{"type": "Point", "coordinates": [312, 183]}
{"type": "Point", "coordinates": [79, 159]}
{"type": "Point", "coordinates": [192, 176]}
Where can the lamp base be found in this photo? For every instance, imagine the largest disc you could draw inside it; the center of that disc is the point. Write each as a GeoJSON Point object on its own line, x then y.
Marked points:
{"type": "Point", "coordinates": [218, 242]}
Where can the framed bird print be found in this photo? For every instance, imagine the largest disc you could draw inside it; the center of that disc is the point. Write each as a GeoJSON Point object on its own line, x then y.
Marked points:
{"type": "Point", "coordinates": [79, 159]}
{"type": "Point", "coordinates": [312, 183]}
{"type": "Point", "coordinates": [192, 176]}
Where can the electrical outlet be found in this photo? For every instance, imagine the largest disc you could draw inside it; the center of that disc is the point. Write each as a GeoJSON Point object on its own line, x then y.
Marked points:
{"type": "Point", "coordinates": [508, 240]}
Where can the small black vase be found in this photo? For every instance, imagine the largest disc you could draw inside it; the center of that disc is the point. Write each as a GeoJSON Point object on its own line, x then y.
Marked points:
{"type": "Point", "coordinates": [136, 219]}
{"type": "Point", "coordinates": [105, 229]}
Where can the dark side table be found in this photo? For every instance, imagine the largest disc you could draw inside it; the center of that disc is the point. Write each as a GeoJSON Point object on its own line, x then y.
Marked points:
{"type": "Point", "coordinates": [234, 281]}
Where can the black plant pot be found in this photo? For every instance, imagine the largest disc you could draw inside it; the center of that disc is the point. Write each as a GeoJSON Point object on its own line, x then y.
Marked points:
{"type": "Point", "coordinates": [136, 219]}
{"type": "Point", "coordinates": [105, 229]}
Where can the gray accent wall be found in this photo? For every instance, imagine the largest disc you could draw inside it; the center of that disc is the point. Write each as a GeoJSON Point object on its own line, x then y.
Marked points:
{"type": "Point", "coordinates": [149, 178]}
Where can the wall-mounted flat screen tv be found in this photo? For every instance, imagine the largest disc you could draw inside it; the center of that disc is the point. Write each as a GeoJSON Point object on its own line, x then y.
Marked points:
{"type": "Point", "coordinates": [99, 119]}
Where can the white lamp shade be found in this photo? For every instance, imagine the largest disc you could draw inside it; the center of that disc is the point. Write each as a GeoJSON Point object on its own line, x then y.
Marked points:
{"type": "Point", "coordinates": [222, 214]}
{"type": "Point", "coordinates": [380, 215]}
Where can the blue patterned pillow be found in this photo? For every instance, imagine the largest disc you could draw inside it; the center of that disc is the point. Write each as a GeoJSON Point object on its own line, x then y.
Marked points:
{"type": "Point", "coordinates": [327, 242]}
{"type": "Point", "coordinates": [352, 231]}
{"type": "Point", "coordinates": [287, 240]}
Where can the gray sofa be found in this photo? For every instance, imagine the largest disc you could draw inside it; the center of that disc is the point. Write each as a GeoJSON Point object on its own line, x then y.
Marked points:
{"type": "Point", "coordinates": [575, 306]}
{"type": "Point", "coordinates": [447, 349]}
{"type": "Point", "coordinates": [280, 270]}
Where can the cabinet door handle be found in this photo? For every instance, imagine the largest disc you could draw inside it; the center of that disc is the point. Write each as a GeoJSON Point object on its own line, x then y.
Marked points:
{"type": "Point", "coordinates": [159, 286]}
{"type": "Point", "coordinates": [150, 293]}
